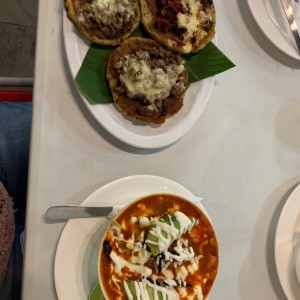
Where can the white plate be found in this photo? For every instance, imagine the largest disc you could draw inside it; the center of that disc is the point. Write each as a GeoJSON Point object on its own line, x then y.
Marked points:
{"type": "Point", "coordinates": [287, 245]}
{"type": "Point", "coordinates": [270, 17]}
{"type": "Point", "coordinates": [75, 268]}
{"type": "Point", "coordinates": [135, 134]}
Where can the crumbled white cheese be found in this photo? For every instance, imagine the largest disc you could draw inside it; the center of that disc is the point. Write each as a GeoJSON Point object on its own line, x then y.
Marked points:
{"type": "Point", "coordinates": [140, 255]}
{"type": "Point", "coordinates": [120, 263]}
{"type": "Point", "coordinates": [144, 222]}
{"type": "Point", "coordinates": [168, 274]}
{"type": "Point", "coordinates": [134, 220]}
{"type": "Point", "coordinates": [182, 273]}
{"type": "Point", "coordinates": [198, 292]}
{"type": "Point", "coordinates": [182, 292]}
{"type": "Point", "coordinates": [108, 12]}
{"type": "Point", "coordinates": [116, 232]}
{"type": "Point", "coordinates": [113, 7]}
{"type": "Point", "coordinates": [194, 266]}
{"type": "Point", "coordinates": [141, 80]}
{"type": "Point", "coordinates": [130, 243]}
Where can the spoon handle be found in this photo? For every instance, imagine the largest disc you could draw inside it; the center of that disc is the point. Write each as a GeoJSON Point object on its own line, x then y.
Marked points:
{"type": "Point", "coordinates": [64, 213]}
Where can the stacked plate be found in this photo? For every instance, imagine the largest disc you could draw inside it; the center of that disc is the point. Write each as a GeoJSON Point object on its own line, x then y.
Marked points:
{"type": "Point", "coordinates": [287, 246]}
{"type": "Point", "coordinates": [270, 17]}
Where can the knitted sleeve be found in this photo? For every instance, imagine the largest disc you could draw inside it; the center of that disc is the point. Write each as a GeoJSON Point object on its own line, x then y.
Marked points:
{"type": "Point", "coordinates": [7, 230]}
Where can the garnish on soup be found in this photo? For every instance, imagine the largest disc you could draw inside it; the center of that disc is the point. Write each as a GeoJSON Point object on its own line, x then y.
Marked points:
{"type": "Point", "coordinates": [165, 248]}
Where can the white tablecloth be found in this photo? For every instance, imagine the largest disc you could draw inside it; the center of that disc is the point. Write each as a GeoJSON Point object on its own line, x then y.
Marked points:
{"type": "Point", "coordinates": [242, 156]}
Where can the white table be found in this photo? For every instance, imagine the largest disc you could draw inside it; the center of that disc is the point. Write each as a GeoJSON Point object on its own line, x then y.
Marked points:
{"type": "Point", "coordinates": [242, 156]}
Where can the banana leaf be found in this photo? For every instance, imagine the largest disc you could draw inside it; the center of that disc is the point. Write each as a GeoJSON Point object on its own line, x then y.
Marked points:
{"type": "Point", "coordinates": [91, 78]}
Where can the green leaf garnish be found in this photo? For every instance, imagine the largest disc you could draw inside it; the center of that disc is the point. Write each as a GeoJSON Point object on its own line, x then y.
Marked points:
{"type": "Point", "coordinates": [96, 293]}
{"type": "Point", "coordinates": [208, 62]}
{"type": "Point", "coordinates": [91, 78]}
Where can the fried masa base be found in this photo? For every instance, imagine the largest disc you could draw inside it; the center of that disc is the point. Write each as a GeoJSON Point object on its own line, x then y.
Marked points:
{"type": "Point", "coordinates": [131, 107]}
{"type": "Point", "coordinates": [169, 39]}
{"type": "Point", "coordinates": [72, 7]}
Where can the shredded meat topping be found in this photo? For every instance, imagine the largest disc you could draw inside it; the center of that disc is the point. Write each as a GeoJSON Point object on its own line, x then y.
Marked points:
{"type": "Point", "coordinates": [166, 18]}
{"type": "Point", "coordinates": [163, 64]}
{"type": "Point", "coordinates": [206, 4]}
{"type": "Point", "coordinates": [105, 23]}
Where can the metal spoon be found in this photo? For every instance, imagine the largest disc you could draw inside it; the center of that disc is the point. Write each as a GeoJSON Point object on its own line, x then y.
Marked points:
{"type": "Point", "coordinates": [64, 213]}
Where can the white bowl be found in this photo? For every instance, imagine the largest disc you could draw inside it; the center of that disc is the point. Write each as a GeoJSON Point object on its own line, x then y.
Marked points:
{"type": "Point", "coordinates": [197, 209]}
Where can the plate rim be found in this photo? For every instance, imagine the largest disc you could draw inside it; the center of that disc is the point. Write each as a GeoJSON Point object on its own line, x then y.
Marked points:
{"type": "Point", "coordinates": [137, 180]}
{"type": "Point", "coordinates": [289, 202]}
{"type": "Point", "coordinates": [283, 46]}
{"type": "Point", "coordinates": [122, 133]}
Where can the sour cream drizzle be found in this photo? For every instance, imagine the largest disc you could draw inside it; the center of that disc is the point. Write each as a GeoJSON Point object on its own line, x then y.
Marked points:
{"type": "Point", "coordinates": [166, 233]}
{"type": "Point", "coordinates": [120, 263]}
{"type": "Point", "coordinates": [141, 292]}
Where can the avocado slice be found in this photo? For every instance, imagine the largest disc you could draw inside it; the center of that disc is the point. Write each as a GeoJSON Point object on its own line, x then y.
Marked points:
{"type": "Point", "coordinates": [169, 219]}
{"type": "Point", "coordinates": [166, 219]}
{"type": "Point", "coordinates": [150, 290]}
{"type": "Point", "coordinates": [130, 290]}
{"type": "Point", "coordinates": [150, 237]}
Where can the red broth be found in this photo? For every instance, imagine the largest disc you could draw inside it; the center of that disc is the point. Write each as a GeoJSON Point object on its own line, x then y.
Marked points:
{"type": "Point", "coordinates": [201, 238]}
